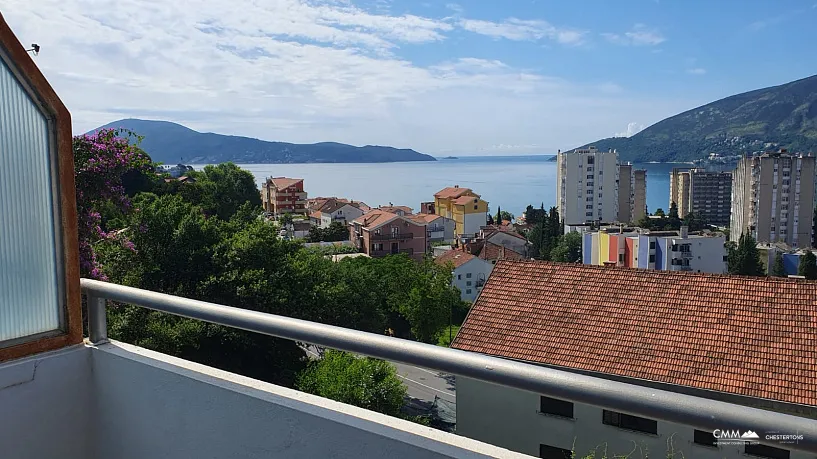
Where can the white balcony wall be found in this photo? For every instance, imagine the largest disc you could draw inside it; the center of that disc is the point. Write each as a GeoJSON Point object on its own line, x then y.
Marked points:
{"type": "Point", "coordinates": [126, 402]}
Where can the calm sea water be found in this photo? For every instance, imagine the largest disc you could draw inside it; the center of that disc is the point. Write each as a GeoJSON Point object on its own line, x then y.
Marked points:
{"type": "Point", "coordinates": [511, 182]}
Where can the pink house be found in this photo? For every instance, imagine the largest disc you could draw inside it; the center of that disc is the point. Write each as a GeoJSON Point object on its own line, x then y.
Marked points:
{"type": "Point", "coordinates": [381, 233]}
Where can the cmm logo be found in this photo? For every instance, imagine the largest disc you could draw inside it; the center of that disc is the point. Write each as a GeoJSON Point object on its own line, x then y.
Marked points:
{"type": "Point", "coordinates": [735, 435]}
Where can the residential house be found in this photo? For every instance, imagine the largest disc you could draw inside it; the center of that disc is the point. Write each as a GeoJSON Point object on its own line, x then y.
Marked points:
{"type": "Point", "coordinates": [427, 207]}
{"type": "Point", "coordinates": [283, 195]}
{"type": "Point", "coordinates": [661, 250]}
{"type": "Point", "coordinates": [731, 339]}
{"type": "Point", "coordinates": [300, 229]}
{"type": "Point", "coordinates": [438, 228]}
{"type": "Point", "coordinates": [336, 211]}
{"type": "Point", "coordinates": [491, 252]}
{"type": "Point", "coordinates": [465, 207]}
{"type": "Point", "coordinates": [380, 233]}
{"type": "Point", "coordinates": [469, 272]}
{"type": "Point", "coordinates": [587, 185]}
{"type": "Point", "coordinates": [507, 237]}
{"type": "Point", "coordinates": [399, 210]}
{"type": "Point", "coordinates": [706, 194]}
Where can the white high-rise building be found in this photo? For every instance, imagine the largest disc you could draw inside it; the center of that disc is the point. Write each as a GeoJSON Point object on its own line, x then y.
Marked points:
{"type": "Point", "coordinates": [587, 186]}
{"type": "Point", "coordinates": [773, 198]}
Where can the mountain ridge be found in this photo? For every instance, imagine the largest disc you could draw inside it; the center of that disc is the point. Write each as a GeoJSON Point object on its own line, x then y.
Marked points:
{"type": "Point", "coordinates": [170, 143]}
{"type": "Point", "coordinates": [782, 116]}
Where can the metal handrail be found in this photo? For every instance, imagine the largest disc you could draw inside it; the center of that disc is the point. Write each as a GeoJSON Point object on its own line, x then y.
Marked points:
{"type": "Point", "coordinates": [700, 413]}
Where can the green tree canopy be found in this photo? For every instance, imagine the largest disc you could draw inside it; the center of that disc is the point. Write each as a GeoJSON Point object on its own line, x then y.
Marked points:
{"type": "Point", "coordinates": [221, 189]}
{"type": "Point", "coordinates": [744, 258]}
{"type": "Point", "coordinates": [778, 270]}
{"type": "Point", "coordinates": [361, 381]}
{"type": "Point", "coordinates": [336, 231]}
{"type": "Point", "coordinates": [569, 249]}
{"type": "Point", "coordinates": [808, 265]}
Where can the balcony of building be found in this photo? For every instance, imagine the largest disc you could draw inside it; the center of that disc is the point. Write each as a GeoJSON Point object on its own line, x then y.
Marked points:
{"type": "Point", "coordinates": [110, 399]}
{"type": "Point", "coordinates": [389, 236]}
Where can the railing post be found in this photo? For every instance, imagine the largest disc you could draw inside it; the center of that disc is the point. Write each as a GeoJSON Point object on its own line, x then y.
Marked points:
{"type": "Point", "coordinates": [97, 319]}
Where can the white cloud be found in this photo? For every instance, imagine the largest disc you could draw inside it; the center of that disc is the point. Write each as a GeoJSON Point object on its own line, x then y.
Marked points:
{"type": "Point", "coordinates": [696, 71]}
{"type": "Point", "coordinates": [523, 30]}
{"type": "Point", "coordinates": [632, 129]}
{"type": "Point", "coordinates": [639, 35]}
{"type": "Point", "coordinates": [303, 71]}
{"type": "Point", "coordinates": [455, 7]}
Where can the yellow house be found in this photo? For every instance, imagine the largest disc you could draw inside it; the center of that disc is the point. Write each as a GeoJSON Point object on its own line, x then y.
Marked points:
{"type": "Point", "coordinates": [463, 206]}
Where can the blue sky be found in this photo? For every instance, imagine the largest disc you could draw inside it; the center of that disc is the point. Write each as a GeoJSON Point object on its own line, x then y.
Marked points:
{"type": "Point", "coordinates": [466, 77]}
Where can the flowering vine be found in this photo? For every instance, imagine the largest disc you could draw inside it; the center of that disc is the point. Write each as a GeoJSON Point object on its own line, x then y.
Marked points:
{"type": "Point", "coordinates": [100, 161]}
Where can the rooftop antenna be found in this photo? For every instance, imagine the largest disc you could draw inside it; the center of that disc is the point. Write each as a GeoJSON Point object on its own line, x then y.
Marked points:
{"type": "Point", "coordinates": [35, 49]}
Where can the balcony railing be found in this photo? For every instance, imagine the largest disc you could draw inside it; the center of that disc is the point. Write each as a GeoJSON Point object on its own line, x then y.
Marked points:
{"type": "Point", "coordinates": [700, 413]}
{"type": "Point", "coordinates": [391, 236]}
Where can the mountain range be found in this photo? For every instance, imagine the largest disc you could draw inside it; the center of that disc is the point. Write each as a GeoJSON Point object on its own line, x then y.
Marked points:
{"type": "Point", "coordinates": [172, 143]}
{"type": "Point", "coordinates": [782, 116]}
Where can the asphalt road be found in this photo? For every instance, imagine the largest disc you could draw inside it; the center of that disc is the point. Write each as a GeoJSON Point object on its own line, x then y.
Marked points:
{"type": "Point", "coordinates": [424, 384]}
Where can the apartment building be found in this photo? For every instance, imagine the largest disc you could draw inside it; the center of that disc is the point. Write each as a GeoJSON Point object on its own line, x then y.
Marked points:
{"type": "Point", "coordinates": [469, 272]}
{"type": "Point", "coordinates": [658, 250]}
{"type": "Point", "coordinates": [468, 210]}
{"type": "Point", "coordinates": [773, 198]}
{"type": "Point", "coordinates": [639, 194]}
{"type": "Point", "coordinates": [587, 182]}
{"type": "Point", "coordinates": [438, 228]}
{"type": "Point", "coordinates": [380, 233]}
{"type": "Point", "coordinates": [703, 335]}
{"type": "Point", "coordinates": [706, 194]}
{"type": "Point", "coordinates": [283, 195]}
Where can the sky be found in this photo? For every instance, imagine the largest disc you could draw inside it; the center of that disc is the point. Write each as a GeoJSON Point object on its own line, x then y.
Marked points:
{"type": "Point", "coordinates": [482, 77]}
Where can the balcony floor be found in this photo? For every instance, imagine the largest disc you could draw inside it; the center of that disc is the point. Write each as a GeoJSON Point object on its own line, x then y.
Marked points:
{"type": "Point", "coordinates": [118, 400]}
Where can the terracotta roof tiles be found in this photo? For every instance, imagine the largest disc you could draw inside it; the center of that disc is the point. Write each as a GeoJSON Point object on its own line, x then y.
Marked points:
{"type": "Point", "coordinates": [451, 192]}
{"type": "Point", "coordinates": [456, 257]}
{"type": "Point", "coordinates": [750, 336]}
{"type": "Point", "coordinates": [284, 182]}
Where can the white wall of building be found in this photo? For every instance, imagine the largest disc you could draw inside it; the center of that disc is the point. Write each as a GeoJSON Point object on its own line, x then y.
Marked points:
{"type": "Point", "coordinates": [586, 187]}
{"type": "Point", "coordinates": [344, 214]}
{"type": "Point", "coordinates": [706, 255]}
{"type": "Point", "coordinates": [471, 223]}
{"type": "Point", "coordinates": [510, 418]}
{"type": "Point", "coordinates": [467, 275]}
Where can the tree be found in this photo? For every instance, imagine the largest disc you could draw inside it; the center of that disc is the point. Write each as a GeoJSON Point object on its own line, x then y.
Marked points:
{"type": "Point", "coordinates": [336, 231]}
{"type": "Point", "coordinates": [569, 249]}
{"type": "Point", "coordinates": [489, 220]}
{"type": "Point", "coordinates": [673, 220]}
{"type": "Point", "coordinates": [660, 213]}
{"type": "Point", "coordinates": [498, 218]}
{"type": "Point", "coordinates": [778, 270]}
{"type": "Point", "coordinates": [808, 265]}
{"type": "Point", "coordinates": [506, 216]}
{"type": "Point", "coordinates": [220, 190]}
{"type": "Point", "coordinates": [534, 216]}
{"type": "Point", "coordinates": [744, 258]}
{"type": "Point", "coordinates": [361, 381]}
{"type": "Point", "coordinates": [285, 220]}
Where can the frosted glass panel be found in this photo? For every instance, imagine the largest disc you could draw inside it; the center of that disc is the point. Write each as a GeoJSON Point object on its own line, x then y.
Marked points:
{"type": "Point", "coordinates": [29, 297]}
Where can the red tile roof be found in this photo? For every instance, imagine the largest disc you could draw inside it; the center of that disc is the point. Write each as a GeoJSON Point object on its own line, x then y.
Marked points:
{"type": "Point", "coordinates": [465, 200]}
{"type": "Point", "coordinates": [751, 336]}
{"type": "Point", "coordinates": [375, 219]}
{"type": "Point", "coordinates": [451, 192]}
{"type": "Point", "coordinates": [284, 182]}
{"type": "Point", "coordinates": [491, 252]}
{"type": "Point", "coordinates": [393, 209]}
{"type": "Point", "coordinates": [456, 257]}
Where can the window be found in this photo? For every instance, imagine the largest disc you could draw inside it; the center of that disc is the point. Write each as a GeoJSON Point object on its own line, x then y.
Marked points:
{"type": "Point", "coordinates": [340, 212]}
{"type": "Point", "coordinates": [590, 176]}
{"type": "Point", "coordinates": [459, 276]}
{"type": "Point", "coordinates": [652, 258]}
{"type": "Point", "coordinates": [468, 291]}
{"type": "Point", "coordinates": [591, 160]}
{"type": "Point", "coordinates": [468, 275]}
{"type": "Point", "coordinates": [621, 258]}
{"type": "Point", "coordinates": [767, 451]}
{"type": "Point", "coordinates": [652, 245]}
{"type": "Point", "coordinates": [588, 214]}
{"type": "Point", "coordinates": [552, 452]}
{"type": "Point", "coordinates": [476, 207]}
{"type": "Point", "coordinates": [467, 283]}
{"type": "Point", "coordinates": [705, 438]}
{"type": "Point", "coordinates": [625, 421]}
{"type": "Point", "coordinates": [555, 407]}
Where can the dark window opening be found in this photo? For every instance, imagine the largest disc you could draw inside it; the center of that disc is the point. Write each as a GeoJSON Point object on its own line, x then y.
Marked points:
{"type": "Point", "coordinates": [552, 452]}
{"type": "Point", "coordinates": [767, 451]}
{"type": "Point", "coordinates": [556, 407]}
{"type": "Point", "coordinates": [705, 438]}
{"type": "Point", "coordinates": [626, 421]}
{"type": "Point", "coordinates": [652, 258]}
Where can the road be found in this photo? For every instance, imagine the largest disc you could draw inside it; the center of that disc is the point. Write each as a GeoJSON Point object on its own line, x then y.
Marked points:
{"type": "Point", "coordinates": [424, 384]}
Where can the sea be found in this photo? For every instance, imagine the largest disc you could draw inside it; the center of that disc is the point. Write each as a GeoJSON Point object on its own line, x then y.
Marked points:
{"type": "Point", "coordinates": [509, 182]}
